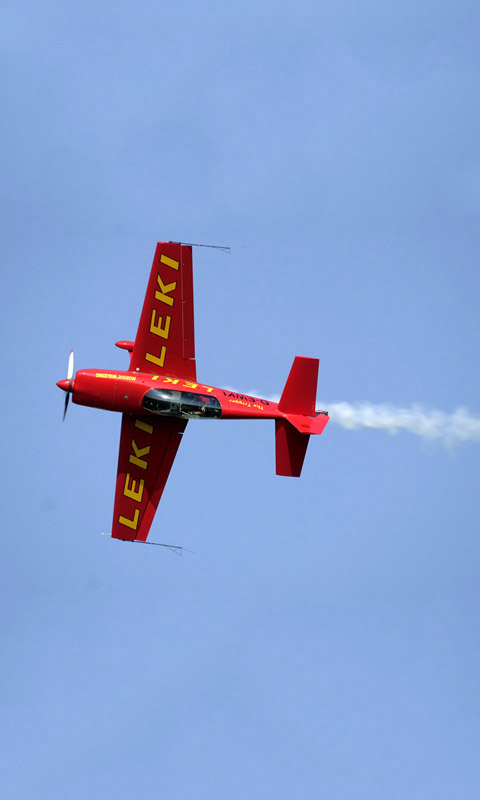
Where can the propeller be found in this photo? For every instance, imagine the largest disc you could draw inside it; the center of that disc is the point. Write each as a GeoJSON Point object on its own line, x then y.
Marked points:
{"type": "Point", "coordinates": [67, 384]}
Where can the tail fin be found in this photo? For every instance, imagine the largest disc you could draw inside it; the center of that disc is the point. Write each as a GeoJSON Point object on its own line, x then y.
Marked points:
{"type": "Point", "coordinates": [297, 403]}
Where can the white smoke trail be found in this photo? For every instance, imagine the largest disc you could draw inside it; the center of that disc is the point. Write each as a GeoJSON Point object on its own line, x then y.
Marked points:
{"type": "Point", "coordinates": [450, 429]}
{"type": "Point", "coordinates": [459, 426]}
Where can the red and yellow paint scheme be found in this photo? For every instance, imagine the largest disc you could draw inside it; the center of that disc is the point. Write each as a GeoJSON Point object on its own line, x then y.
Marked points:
{"type": "Point", "coordinates": [160, 392]}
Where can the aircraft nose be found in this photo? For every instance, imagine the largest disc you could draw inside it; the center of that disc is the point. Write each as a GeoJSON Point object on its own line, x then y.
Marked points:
{"type": "Point", "coordinates": [66, 385]}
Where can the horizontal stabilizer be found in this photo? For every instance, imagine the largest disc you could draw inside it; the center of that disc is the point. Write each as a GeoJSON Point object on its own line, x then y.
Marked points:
{"type": "Point", "coordinates": [298, 396]}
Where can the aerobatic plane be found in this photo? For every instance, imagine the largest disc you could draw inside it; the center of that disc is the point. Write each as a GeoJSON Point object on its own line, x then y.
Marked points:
{"type": "Point", "coordinates": [160, 393]}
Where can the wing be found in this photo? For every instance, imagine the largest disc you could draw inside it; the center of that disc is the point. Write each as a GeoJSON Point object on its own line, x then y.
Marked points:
{"type": "Point", "coordinates": [148, 446]}
{"type": "Point", "coordinates": [165, 341]}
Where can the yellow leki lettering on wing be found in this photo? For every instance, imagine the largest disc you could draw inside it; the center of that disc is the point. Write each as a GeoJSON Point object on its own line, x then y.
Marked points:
{"type": "Point", "coordinates": [158, 360]}
{"type": "Point", "coordinates": [130, 523]}
{"type": "Point", "coordinates": [156, 326]}
{"type": "Point", "coordinates": [144, 426]}
{"type": "Point", "coordinates": [189, 385]}
{"type": "Point", "coordinates": [170, 262]}
{"type": "Point", "coordinates": [165, 289]}
{"type": "Point", "coordinates": [135, 459]}
{"type": "Point", "coordinates": [131, 491]}
{"type": "Point", "coordinates": [170, 380]}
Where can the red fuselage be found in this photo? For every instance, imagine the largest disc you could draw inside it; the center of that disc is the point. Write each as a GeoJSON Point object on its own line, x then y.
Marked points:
{"type": "Point", "coordinates": [141, 393]}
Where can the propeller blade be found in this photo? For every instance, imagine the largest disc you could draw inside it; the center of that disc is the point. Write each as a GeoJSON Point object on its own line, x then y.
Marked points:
{"type": "Point", "coordinates": [70, 366]}
{"type": "Point", "coordinates": [67, 384]}
{"type": "Point", "coordinates": [67, 398]}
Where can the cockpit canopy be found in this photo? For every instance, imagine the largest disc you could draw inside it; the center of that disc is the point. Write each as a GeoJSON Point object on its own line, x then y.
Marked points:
{"type": "Point", "coordinates": [186, 405]}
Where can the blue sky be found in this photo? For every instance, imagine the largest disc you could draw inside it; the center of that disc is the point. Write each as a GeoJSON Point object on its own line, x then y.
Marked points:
{"type": "Point", "coordinates": [321, 640]}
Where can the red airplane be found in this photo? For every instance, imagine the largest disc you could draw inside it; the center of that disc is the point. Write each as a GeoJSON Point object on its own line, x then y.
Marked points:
{"type": "Point", "coordinates": [160, 392]}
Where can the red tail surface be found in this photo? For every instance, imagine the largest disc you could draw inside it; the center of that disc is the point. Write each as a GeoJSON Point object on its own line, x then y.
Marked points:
{"type": "Point", "coordinates": [298, 405]}
{"type": "Point", "coordinates": [298, 396]}
{"type": "Point", "coordinates": [290, 449]}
